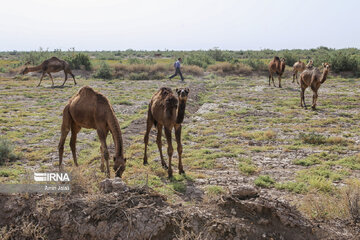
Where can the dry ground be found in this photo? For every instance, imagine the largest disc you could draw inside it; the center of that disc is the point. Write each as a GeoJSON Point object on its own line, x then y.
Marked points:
{"type": "Point", "coordinates": [237, 131]}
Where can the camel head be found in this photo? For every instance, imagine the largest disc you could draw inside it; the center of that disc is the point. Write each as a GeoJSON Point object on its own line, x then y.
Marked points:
{"type": "Point", "coordinates": [182, 93]}
{"type": "Point", "coordinates": [282, 60]}
{"type": "Point", "coordinates": [119, 166]}
{"type": "Point", "coordinates": [25, 71]}
{"type": "Point", "coordinates": [326, 66]}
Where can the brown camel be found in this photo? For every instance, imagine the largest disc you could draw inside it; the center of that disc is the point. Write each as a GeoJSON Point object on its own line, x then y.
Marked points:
{"type": "Point", "coordinates": [313, 78]}
{"type": "Point", "coordinates": [91, 109]}
{"type": "Point", "coordinates": [51, 65]}
{"type": "Point", "coordinates": [300, 67]}
{"type": "Point", "coordinates": [166, 110]}
{"type": "Point", "coordinates": [277, 66]}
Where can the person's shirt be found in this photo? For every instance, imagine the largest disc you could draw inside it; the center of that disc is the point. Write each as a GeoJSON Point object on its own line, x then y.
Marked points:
{"type": "Point", "coordinates": [177, 64]}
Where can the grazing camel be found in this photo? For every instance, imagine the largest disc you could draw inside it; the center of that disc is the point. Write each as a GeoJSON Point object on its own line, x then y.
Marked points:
{"type": "Point", "coordinates": [51, 65]}
{"type": "Point", "coordinates": [165, 109]}
{"type": "Point", "coordinates": [300, 67]}
{"type": "Point", "coordinates": [91, 109]}
{"type": "Point", "coordinates": [277, 66]}
{"type": "Point", "coordinates": [313, 78]}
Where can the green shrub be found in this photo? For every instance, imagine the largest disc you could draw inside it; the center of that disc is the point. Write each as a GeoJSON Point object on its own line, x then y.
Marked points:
{"type": "Point", "coordinates": [216, 54]}
{"type": "Point", "coordinates": [104, 71]}
{"type": "Point", "coordinates": [290, 58]}
{"type": "Point", "coordinates": [79, 61]}
{"type": "Point", "coordinates": [256, 64]}
{"type": "Point", "coordinates": [134, 61]}
{"type": "Point", "coordinates": [201, 60]}
{"type": "Point", "coordinates": [6, 151]}
{"type": "Point", "coordinates": [264, 181]}
{"type": "Point", "coordinates": [343, 62]}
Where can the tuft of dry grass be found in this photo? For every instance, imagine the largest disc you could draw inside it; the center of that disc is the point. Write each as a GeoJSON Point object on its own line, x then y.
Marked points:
{"type": "Point", "coordinates": [344, 204]}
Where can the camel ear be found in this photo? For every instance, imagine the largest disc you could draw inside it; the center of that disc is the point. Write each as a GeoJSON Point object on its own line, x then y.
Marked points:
{"type": "Point", "coordinates": [323, 64]}
{"type": "Point", "coordinates": [187, 90]}
{"type": "Point", "coordinates": [177, 91]}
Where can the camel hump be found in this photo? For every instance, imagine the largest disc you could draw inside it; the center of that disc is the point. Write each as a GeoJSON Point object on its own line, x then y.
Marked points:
{"type": "Point", "coordinates": [165, 91]}
{"type": "Point", "coordinates": [86, 91]}
{"type": "Point", "coordinates": [276, 58]}
{"type": "Point", "coordinates": [54, 59]}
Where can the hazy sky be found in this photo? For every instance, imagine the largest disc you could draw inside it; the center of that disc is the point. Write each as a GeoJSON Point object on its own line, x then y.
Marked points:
{"type": "Point", "coordinates": [178, 25]}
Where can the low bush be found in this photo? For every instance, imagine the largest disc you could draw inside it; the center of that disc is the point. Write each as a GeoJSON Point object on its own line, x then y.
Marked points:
{"type": "Point", "coordinates": [200, 60]}
{"type": "Point", "coordinates": [104, 71]}
{"type": "Point", "coordinates": [6, 151]}
{"type": "Point", "coordinates": [226, 68]}
{"type": "Point", "coordinates": [256, 64]}
{"type": "Point", "coordinates": [139, 76]}
{"type": "Point", "coordinates": [79, 61]}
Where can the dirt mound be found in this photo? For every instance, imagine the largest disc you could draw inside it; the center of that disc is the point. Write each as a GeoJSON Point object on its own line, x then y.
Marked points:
{"type": "Point", "coordinates": [139, 213]}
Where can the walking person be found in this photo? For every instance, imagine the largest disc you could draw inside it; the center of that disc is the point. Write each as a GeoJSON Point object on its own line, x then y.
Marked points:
{"type": "Point", "coordinates": [177, 69]}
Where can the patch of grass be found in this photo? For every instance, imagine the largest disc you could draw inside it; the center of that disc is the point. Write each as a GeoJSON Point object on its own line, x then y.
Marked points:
{"type": "Point", "coordinates": [296, 187]}
{"type": "Point", "coordinates": [247, 167]}
{"type": "Point", "coordinates": [312, 138]}
{"type": "Point", "coordinates": [214, 190]}
{"type": "Point", "coordinates": [264, 181]}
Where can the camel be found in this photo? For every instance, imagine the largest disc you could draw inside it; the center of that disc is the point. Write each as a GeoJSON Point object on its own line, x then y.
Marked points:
{"type": "Point", "coordinates": [313, 78]}
{"type": "Point", "coordinates": [277, 66]}
{"type": "Point", "coordinates": [51, 65]}
{"type": "Point", "coordinates": [168, 111]}
{"type": "Point", "coordinates": [91, 109]}
{"type": "Point", "coordinates": [300, 67]}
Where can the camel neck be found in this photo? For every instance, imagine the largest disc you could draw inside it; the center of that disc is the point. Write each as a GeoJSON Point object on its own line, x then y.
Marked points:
{"type": "Point", "coordinates": [324, 76]}
{"type": "Point", "coordinates": [33, 69]}
{"type": "Point", "coordinates": [116, 133]}
{"type": "Point", "coordinates": [181, 111]}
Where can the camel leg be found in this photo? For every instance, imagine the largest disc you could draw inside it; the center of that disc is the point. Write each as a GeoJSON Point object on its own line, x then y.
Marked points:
{"type": "Point", "coordinates": [65, 128]}
{"type": "Point", "coordinates": [295, 76]}
{"type": "Point", "coordinates": [179, 147]}
{"type": "Point", "coordinates": [74, 131]}
{"type": "Point", "coordinates": [72, 75]}
{"type": "Point", "coordinates": [302, 95]}
{"type": "Point", "coordinates": [159, 144]}
{"type": "Point", "coordinates": [66, 77]}
{"type": "Point", "coordinates": [170, 150]}
{"type": "Point", "coordinates": [279, 81]}
{"type": "Point", "coordinates": [269, 79]}
{"type": "Point", "coordinates": [42, 76]}
{"type": "Point", "coordinates": [272, 77]}
{"type": "Point", "coordinates": [315, 96]}
{"type": "Point", "coordinates": [149, 124]}
{"type": "Point", "coordinates": [102, 166]}
{"type": "Point", "coordinates": [52, 80]}
{"type": "Point", "coordinates": [105, 152]}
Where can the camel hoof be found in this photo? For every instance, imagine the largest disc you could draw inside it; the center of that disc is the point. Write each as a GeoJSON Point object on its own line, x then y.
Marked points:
{"type": "Point", "coordinates": [170, 174]}
{"type": "Point", "coordinates": [145, 163]}
{"type": "Point", "coordinates": [102, 168]}
{"type": "Point", "coordinates": [181, 172]}
{"type": "Point", "coordinates": [165, 166]}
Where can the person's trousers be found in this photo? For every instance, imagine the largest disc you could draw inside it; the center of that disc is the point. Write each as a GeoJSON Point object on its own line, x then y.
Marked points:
{"type": "Point", "coordinates": [177, 71]}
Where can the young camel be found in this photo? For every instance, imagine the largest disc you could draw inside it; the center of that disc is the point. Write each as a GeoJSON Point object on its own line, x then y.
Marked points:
{"type": "Point", "coordinates": [313, 78]}
{"type": "Point", "coordinates": [166, 110]}
{"type": "Point", "coordinates": [277, 66]}
{"type": "Point", "coordinates": [51, 65]}
{"type": "Point", "coordinates": [91, 109]}
{"type": "Point", "coordinates": [300, 67]}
